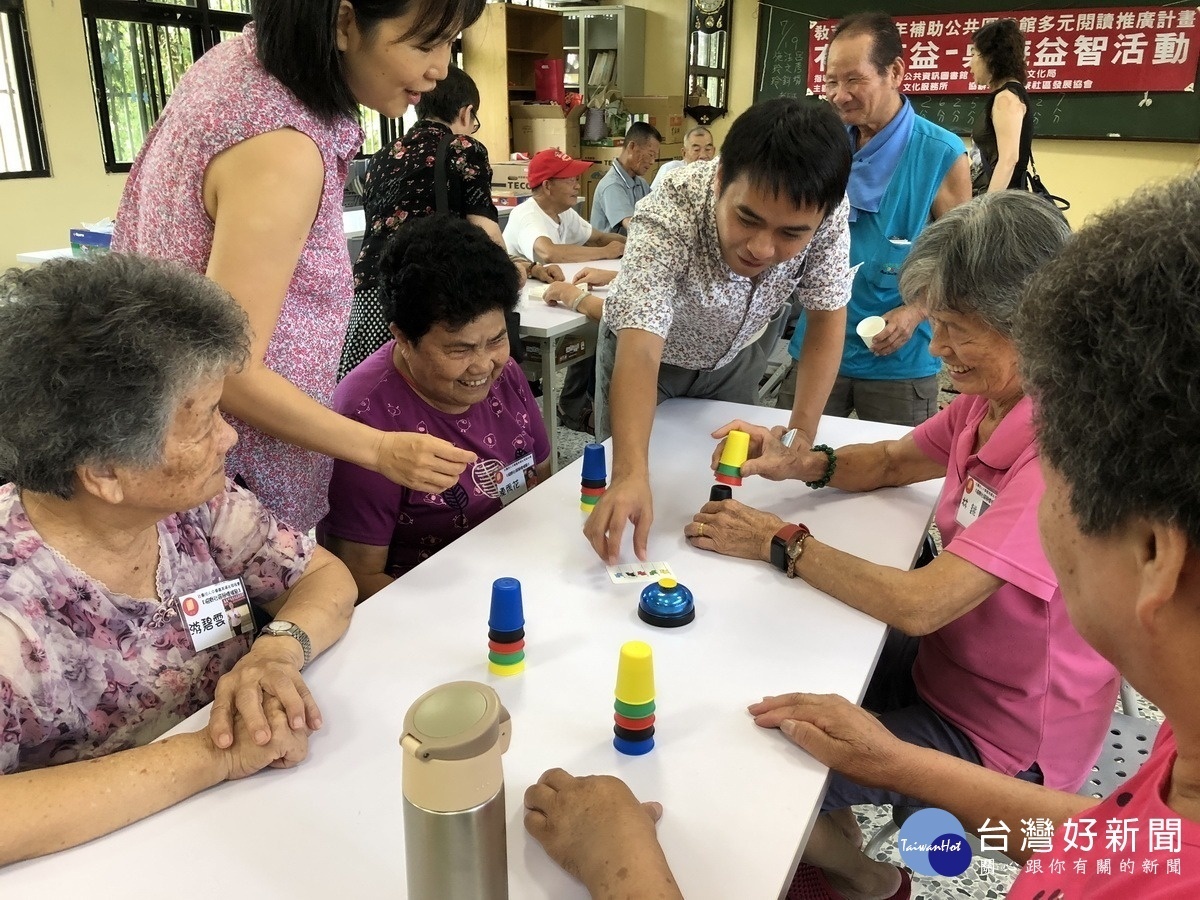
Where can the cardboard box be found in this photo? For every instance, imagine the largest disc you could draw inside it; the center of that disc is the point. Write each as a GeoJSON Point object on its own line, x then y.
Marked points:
{"type": "Point", "coordinates": [666, 114]}
{"type": "Point", "coordinates": [540, 126]}
{"type": "Point", "coordinates": [503, 198]}
{"type": "Point", "coordinates": [573, 346]}
{"type": "Point", "coordinates": [85, 242]}
{"type": "Point", "coordinates": [510, 176]}
{"type": "Point", "coordinates": [604, 142]}
{"type": "Point", "coordinates": [608, 154]}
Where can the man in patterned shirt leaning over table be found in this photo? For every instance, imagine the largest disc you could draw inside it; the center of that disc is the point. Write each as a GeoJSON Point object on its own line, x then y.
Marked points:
{"type": "Point", "coordinates": [712, 259]}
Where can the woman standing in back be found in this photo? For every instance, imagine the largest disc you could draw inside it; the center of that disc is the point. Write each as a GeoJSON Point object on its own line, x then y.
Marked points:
{"type": "Point", "coordinates": [241, 178]}
{"type": "Point", "coordinates": [1003, 136]}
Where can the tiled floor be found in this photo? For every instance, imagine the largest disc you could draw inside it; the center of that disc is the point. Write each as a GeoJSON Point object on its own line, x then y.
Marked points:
{"type": "Point", "coordinates": [974, 884]}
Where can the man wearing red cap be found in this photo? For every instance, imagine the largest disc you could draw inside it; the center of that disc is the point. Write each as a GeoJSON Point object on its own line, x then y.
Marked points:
{"type": "Point", "coordinates": [546, 228]}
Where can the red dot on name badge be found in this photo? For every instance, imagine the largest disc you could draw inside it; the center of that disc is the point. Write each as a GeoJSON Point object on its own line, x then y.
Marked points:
{"type": "Point", "coordinates": [190, 606]}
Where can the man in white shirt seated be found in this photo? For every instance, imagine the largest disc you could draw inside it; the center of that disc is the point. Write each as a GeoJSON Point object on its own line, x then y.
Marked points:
{"type": "Point", "coordinates": [698, 145]}
{"type": "Point", "coordinates": [620, 190]}
{"type": "Point", "coordinates": [546, 228]}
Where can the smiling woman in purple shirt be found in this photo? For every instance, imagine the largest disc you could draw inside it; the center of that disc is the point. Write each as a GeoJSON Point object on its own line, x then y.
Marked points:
{"type": "Point", "coordinates": [447, 373]}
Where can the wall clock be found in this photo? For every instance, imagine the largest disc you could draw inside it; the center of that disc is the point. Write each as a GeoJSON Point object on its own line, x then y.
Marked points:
{"type": "Point", "coordinates": [707, 87]}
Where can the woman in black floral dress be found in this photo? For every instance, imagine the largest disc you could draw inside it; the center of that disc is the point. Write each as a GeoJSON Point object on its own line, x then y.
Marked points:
{"type": "Point", "coordinates": [400, 186]}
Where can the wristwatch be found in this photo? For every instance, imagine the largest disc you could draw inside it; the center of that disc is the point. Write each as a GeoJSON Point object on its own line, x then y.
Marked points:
{"type": "Point", "coordinates": [280, 628]}
{"type": "Point", "coordinates": [786, 547]}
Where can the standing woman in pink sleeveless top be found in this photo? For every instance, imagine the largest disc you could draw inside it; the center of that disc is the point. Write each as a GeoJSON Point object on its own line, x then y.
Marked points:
{"type": "Point", "coordinates": [241, 178]}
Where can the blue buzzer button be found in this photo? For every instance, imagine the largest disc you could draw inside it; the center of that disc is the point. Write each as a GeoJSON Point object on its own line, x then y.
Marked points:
{"type": "Point", "coordinates": [666, 604]}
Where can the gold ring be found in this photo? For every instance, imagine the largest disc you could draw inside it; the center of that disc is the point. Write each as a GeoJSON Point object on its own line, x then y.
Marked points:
{"type": "Point", "coordinates": [700, 529]}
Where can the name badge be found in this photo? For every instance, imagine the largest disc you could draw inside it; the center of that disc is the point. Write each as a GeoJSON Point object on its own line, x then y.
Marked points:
{"type": "Point", "coordinates": [214, 614]}
{"type": "Point", "coordinates": [516, 478]}
{"type": "Point", "coordinates": [976, 499]}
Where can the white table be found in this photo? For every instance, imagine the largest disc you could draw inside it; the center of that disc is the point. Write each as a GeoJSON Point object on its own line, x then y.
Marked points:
{"type": "Point", "coordinates": [354, 224]}
{"type": "Point", "coordinates": [739, 800]}
{"type": "Point", "coordinates": [547, 325]}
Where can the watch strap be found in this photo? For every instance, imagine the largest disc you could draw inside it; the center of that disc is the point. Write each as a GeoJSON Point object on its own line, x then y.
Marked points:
{"type": "Point", "coordinates": [779, 543]}
{"type": "Point", "coordinates": [795, 547]}
{"type": "Point", "coordinates": [293, 631]}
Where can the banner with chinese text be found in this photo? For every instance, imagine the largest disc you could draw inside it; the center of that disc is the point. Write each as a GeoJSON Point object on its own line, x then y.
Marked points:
{"type": "Point", "coordinates": [1143, 48]}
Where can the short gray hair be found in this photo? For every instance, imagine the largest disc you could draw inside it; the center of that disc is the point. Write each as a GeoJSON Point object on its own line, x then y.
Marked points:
{"type": "Point", "coordinates": [976, 259]}
{"type": "Point", "coordinates": [94, 358]}
{"type": "Point", "coordinates": [1109, 338]}
{"type": "Point", "coordinates": [697, 129]}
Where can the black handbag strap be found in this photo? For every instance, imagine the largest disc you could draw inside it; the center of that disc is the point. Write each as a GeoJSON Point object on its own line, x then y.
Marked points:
{"type": "Point", "coordinates": [440, 181]}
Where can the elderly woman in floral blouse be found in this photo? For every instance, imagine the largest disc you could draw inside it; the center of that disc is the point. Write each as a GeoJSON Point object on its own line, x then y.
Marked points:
{"type": "Point", "coordinates": [128, 561]}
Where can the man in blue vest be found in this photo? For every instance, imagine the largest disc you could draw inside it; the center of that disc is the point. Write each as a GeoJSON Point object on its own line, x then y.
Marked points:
{"type": "Point", "coordinates": [906, 172]}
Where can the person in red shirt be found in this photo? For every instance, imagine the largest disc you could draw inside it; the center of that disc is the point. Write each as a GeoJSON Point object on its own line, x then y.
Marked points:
{"type": "Point", "coordinates": [1108, 335]}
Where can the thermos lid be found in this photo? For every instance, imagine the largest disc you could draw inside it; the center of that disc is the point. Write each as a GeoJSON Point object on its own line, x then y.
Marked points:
{"type": "Point", "coordinates": [459, 720]}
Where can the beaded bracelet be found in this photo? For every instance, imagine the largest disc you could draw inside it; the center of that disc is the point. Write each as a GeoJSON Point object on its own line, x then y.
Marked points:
{"type": "Point", "coordinates": [574, 304]}
{"type": "Point", "coordinates": [829, 469]}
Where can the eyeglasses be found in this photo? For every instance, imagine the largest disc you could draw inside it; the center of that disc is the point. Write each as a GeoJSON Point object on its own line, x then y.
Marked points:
{"type": "Point", "coordinates": [474, 122]}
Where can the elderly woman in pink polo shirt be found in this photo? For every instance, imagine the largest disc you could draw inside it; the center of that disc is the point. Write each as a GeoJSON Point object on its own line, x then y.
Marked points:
{"type": "Point", "coordinates": [982, 661]}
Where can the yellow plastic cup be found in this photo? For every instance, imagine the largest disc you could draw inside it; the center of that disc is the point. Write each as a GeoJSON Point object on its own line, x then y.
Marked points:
{"type": "Point", "coordinates": [635, 673]}
{"type": "Point", "coordinates": [736, 449]}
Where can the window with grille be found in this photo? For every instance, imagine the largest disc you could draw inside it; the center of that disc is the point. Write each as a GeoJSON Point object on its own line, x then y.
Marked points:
{"type": "Point", "coordinates": [22, 141]}
{"type": "Point", "coordinates": [139, 49]}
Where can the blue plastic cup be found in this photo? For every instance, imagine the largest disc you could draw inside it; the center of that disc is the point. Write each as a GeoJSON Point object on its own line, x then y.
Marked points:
{"type": "Point", "coordinates": [507, 613]}
{"type": "Point", "coordinates": [595, 467]}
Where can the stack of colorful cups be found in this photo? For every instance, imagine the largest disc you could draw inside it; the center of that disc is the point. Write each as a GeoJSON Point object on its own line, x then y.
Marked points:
{"type": "Point", "coordinates": [634, 717]}
{"type": "Point", "coordinates": [506, 629]}
{"type": "Point", "coordinates": [733, 454]}
{"type": "Point", "coordinates": [595, 477]}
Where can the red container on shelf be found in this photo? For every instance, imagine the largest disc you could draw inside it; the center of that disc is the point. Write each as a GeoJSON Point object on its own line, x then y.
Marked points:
{"type": "Point", "coordinates": [548, 81]}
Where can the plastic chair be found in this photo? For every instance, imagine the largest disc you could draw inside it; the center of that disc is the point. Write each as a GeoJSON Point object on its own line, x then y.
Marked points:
{"type": "Point", "coordinates": [779, 368]}
{"type": "Point", "coordinates": [1126, 746]}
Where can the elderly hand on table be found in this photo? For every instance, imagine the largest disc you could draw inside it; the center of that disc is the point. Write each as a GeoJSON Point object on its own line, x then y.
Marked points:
{"type": "Point", "coordinates": [595, 828]}
{"type": "Point", "coordinates": [733, 529]}
{"type": "Point", "coordinates": [574, 297]}
{"type": "Point", "coordinates": [547, 272]}
{"type": "Point", "coordinates": [594, 277]}
{"type": "Point", "coordinates": [287, 746]}
{"type": "Point", "coordinates": [769, 458]}
{"type": "Point", "coordinates": [265, 678]}
{"type": "Point", "coordinates": [837, 733]}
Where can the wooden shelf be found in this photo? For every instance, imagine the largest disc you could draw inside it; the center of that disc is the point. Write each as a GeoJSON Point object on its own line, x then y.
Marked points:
{"type": "Point", "coordinates": [501, 52]}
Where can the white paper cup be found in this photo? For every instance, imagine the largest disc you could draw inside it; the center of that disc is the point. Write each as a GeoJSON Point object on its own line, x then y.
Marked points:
{"type": "Point", "coordinates": [869, 327]}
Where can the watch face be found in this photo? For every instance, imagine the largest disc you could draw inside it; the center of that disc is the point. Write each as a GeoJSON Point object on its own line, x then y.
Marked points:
{"type": "Point", "coordinates": [709, 6]}
{"type": "Point", "coordinates": [280, 627]}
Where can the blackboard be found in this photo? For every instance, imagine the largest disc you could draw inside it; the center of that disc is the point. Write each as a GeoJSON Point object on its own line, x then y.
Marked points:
{"type": "Point", "coordinates": [781, 70]}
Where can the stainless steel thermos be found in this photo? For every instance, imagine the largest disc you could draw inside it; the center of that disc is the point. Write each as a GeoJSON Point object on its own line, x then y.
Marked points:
{"type": "Point", "coordinates": [454, 821]}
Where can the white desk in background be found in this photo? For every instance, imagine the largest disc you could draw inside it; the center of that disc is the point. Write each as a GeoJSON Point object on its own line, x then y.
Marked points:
{"type": "Point", "coordinates": [739, 800]}
{"type": "Point", "coordinates": [354, 224]}
{"type": "Point", "coordinates": [547, 326]}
